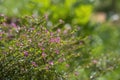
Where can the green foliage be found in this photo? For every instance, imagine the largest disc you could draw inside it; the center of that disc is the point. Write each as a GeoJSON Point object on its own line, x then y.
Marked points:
{"type": "Point", "coordinates": [56, 9]}
{"type": "Point", "coordinates": [75, 48]}
{"type": "Point", "coordinates": [31, 51]}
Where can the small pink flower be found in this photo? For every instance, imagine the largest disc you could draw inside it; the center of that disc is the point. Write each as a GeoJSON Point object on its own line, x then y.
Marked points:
{"type": "Point", "coordinates": [65, 31]}
{"type": "Point", "coordinates": [14, 25]}
{"type": "Point", "coordinates": [43, 49]}
{"type": "Point", "coordinates": [4, 24]}
{"type": "Point", "coordinates": [40, 44]}
{"type": "Point", "coordinates": [34, 64]}
{"type": "Point", "coordinates": [67, 65]}
{"type": "Point", "coordinates": [47, 67]}
{"type": "Point", "coordinates": [76, 73]}
{"type": "Point", "coordinates": [51, 34]}
{"type": "Point", "coordinates": [52, 40]}
{"type": "Point", "coordinates": [43, 55]}
{"type": "Point", "coordinates": [60, 60]}
{"type": "Point", "coordinates": [25, 53]}
{"type": "Point", "coordinates": [94, 61]}
{"type": "Point", "coordinates": [57, 51]}
{"type": "Point", "coordinates": [58, 30]}
{"type": "Point", "coordinates": [0, 38]}
{"type": "Point", "coordinates": [51, 63]}
{"type": "Point", "coordinates": [55, 40]}
{"type": "Point", "coordinates": [46, 31]}
{"type": "Point", "coordinates": [1, 33]}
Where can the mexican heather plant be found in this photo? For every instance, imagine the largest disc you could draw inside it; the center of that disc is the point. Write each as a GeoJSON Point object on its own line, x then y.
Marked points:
{"type": "Point", "coordinates": [31, 51]}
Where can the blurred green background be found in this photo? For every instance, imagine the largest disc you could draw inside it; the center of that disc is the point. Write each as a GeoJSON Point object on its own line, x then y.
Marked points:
{"type": "Point", "coordinates": [97, 19]}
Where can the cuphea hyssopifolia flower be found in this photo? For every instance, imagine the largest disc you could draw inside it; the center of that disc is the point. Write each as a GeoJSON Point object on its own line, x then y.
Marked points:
{"type": "Point", "coordinates": [25, 53]}
{"type": "Point", "coordinates": [34, 64]}
{"type": "Point", "coordinates": [44, 46]}
{"type": "Point", "coordinates": [41, 48]}
{"type": "Point", "coordinates": [50, 47]}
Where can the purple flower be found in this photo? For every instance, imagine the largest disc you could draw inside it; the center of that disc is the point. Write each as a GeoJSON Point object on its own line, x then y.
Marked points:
{"type": "Point", "coordinates": [55, 40]}
{"type": "Point", "coordinates": [52, 40]}
{"type": "Point", "coordinates": [65, 31]}
{"type": "Point", "coordinates": [58, 30]}
{"type": "Point", "coordinates": [34, 64]}
{"type": "Point", "coordinates": [42, 49]}
{"type": "Point", "coordinates": [14, 25]}
{"type": "Point", "coordinates": [57, 51]}
{"type": "Point", "coordinates": [25, 53]}
{"type": "Point", "coordinates": [40, 44]}
{"type": "Point", "coordinates": [94, 61]}
{"type": "Point", "coordinates": [46, 31]}
{"type": "Point", "coordinates": [1, 32]}
{"type": "Point", "coordinates": [51, 63]}
{"type": "Point", "coordinates": [4, 24]}
{"type": "Point", "coordinates": [43, 55]}
{"type": "Point", "coordinates": [0, 38]}
{"type": "Point", "coordinates": [51, 34]}
{"type": "Point", "coordinates": [76, 73]}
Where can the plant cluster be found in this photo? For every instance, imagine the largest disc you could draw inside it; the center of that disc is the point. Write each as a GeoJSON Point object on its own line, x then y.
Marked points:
{"type": "Point", "coordinates": [29, 50]}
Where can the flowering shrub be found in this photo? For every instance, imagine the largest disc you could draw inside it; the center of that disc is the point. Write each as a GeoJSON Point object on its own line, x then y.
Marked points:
{"type": "Point", "coordinates": [30, 50]}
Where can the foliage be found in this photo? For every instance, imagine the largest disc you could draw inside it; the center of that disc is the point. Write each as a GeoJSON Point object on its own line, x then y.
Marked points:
{"type": "Point", "coordinates": [56, 9]}
{"type": "Point", "coordinates": [31, 51]}
{"type": "Point", "coordinates": [75, 48]}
